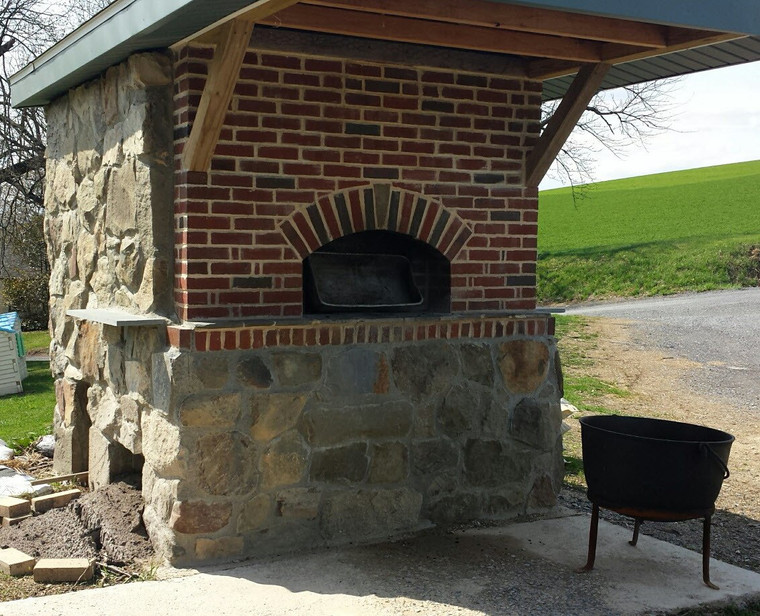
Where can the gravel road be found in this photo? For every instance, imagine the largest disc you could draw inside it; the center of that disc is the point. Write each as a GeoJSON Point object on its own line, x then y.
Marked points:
{"type": "Point", "coordinates": [718, 329]}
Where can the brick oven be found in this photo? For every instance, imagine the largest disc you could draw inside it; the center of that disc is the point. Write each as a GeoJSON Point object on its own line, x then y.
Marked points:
{"type": "Point", "coordinates": [293, 275]}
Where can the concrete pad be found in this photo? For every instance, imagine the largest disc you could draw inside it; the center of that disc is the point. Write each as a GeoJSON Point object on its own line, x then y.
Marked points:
{"type": "Point", "coordinates": [518, 570]}
{"type": "Point", "coordinates": [53, 570]}
{"type": "Point", "coordinates": [15, 562]}
{"type": "Point", "coordinates": [654, 575]}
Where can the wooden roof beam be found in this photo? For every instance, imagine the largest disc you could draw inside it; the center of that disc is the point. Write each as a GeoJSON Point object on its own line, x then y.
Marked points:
{"type": "Point", "coordinates": [220, 84]}
{"type": "Point", "coordinates": [437, 33]}
{"type": "Point", "coordinates": [561, 124]}
{"type": "Point", "coordinates": [513, 17]}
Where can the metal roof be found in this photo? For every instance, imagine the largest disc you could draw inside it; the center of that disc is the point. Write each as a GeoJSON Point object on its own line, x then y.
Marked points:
{"type": "Point", "coordinates": [684, 62]}
{"type": "Point", "coordinates": [129, 26]}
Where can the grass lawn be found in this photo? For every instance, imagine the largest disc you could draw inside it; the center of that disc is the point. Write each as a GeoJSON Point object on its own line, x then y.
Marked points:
{"type": "Point", "coordinates": [25, 416]}
{"type": "Point", "coordinates": [690, 230]}
{"type": "Point", "coordinates": [36, 341]}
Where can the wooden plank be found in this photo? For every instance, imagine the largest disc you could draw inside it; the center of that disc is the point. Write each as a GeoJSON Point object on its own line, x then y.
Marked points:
{"type": "Point", "coordinates": [215, 100]}
{"type": "Point", "coordinates": [84, 476]}
{"type": "Point", "coordinates": [513, 17]}
{"type": "Point", "coordinates": [561, 124]}
{"type": "Point", "coordinates": [407, 30]}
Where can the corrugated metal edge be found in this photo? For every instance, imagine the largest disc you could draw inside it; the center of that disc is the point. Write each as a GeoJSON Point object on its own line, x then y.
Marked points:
{"type": "Point", "coordinates": [696, 60]}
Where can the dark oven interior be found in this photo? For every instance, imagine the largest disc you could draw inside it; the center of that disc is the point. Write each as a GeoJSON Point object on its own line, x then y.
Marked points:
{"type": "Point", "coordinates": [376, 272]}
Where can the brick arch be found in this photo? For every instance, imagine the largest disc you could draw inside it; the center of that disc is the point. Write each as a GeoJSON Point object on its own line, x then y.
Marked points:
{"type": "Point", "coordinates": [377, 207]}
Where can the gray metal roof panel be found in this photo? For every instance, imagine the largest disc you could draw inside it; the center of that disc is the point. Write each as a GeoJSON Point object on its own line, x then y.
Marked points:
{"type": "Point", "coordinates": [673, 64]}
{"type": "Point", "coordinates": [725, 16]}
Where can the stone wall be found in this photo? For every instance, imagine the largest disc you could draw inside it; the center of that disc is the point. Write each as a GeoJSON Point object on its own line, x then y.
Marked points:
{"type": "Point", "coordinates": [108, 227]}
{"type": "Point", "coordinates": [289, 447]}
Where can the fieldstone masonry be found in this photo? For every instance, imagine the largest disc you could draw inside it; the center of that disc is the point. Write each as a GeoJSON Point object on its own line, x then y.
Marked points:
{"type": "Point", "coordinates": [109, 211]}
{"type": "Point", "coordinates": [269, 448]}
{"type": "Point", "coordinates": [262, 437]}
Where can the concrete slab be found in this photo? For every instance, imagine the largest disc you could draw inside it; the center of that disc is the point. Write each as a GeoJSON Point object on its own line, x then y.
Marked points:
{"type": "Point", "coordinates": [517, 570]}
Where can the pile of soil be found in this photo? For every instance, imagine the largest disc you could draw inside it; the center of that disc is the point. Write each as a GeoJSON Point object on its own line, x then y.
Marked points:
{"type": "Point", "coordinates": [104, 525]}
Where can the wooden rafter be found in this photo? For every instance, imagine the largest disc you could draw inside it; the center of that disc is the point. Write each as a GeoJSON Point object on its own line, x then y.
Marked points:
{"type": "Point", "coordinates": [561, 124]}
{"type": "Point", "coordinates": [513, 17]}
{"type": "Point", "coordinates": [220, 84]}
{"type": "Point", "coordinates": [438, 33]}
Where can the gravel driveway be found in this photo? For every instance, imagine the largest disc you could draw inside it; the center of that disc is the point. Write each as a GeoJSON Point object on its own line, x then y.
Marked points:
{"type": "Point", "coordinates": [718, 329]}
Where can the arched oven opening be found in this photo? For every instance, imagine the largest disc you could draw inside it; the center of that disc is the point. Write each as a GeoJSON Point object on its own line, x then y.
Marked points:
{"type": "Point", "coordinates": [376, 272]}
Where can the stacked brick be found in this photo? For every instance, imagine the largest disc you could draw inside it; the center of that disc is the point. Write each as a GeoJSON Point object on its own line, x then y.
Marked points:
{"type": "Point", "coordinates": [45, 570]}
{"type": "Point", "coordinates": [308, 145]}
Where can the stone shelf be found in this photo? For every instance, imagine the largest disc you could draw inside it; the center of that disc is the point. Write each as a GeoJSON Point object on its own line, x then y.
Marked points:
{"type": "Point", "coordinates": [117, 318]}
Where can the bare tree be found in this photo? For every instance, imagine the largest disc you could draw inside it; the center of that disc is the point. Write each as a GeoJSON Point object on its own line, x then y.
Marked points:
{"type": "Point", "coordinates": [616, 121]}
{"type": "Point", "coordinates": [27, 27]}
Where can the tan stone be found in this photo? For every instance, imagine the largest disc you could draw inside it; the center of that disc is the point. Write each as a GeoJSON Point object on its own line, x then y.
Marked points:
{"type": "Point", "coordinates": [298, 503]}
{"type": "Point", "coordinates": [192, 518]}
{"type": "Point", "coordinates": [52, 570]}
{"type": "Point", "coordinates": [389, 463]}
{"type": "Point", "coordinates": [89, 351]}
{"type": "Point", "coordinates": [162, 444]}
{"type": "Point", "coordinates": [224, 547]}
{"type": "Point", "coordinates": [121, 211]}
{"type": "Point", "coordinates": [210, 410]}
{"type": "Point", "coordinates": [87, 255]}
{"type": "Point", "coordinates": [225, 463]}
{"type": "Point", "coordinates": [15, 562]}
{"type": "Point", "coordinates": [524, 365]}
{"type": "Point", "coordinates": [256, 513]}
{"type": "Point", "coordinates": [11, 507]}
{"type": "Point", "coordinates": [284, 462]}
{"type": "Point", "coordinates": [148, 70]}
{"type": "Point", "coordinates": [274, 414]}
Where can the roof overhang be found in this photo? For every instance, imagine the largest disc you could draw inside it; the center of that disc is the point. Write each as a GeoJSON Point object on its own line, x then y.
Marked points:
{"type": "Point", "coordinates": [549, 40]}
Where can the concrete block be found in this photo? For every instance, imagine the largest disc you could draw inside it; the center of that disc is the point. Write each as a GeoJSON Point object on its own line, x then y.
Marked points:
{"type": "Point", "coordinates": [53, 570]}
{"type": "Point", "coordinates": [16, 520]}
{"type": "Point", "coordinates": [11, 507]}
{"type": "Point", "coordinates": [15, 562]}
{"type": "Point", "coordinates": [52, 501]}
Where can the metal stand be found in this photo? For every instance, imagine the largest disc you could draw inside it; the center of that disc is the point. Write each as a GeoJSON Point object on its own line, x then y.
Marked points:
{"type": "Point", "coordinates": [639, 516]}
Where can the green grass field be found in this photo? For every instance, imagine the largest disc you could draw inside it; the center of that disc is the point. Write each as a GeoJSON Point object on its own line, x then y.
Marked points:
{"type": "Point", "coordinates": [690, 230]}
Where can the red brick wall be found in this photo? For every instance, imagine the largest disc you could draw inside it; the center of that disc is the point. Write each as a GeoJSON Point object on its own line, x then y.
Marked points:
{"type": "Point", "coordinates": [306, 143]}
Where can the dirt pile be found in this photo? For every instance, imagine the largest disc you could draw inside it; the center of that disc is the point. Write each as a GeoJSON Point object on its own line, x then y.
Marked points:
{"type": "Point", "coordinates": [105, 525]}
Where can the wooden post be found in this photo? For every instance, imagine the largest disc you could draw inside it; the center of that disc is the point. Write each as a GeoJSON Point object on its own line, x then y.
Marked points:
{"type": "Point", "coordinates": [561, 124]}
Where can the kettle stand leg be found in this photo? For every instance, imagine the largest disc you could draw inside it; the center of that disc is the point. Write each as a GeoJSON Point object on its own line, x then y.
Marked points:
{"type": "Point", "coordinates": [592, 536]}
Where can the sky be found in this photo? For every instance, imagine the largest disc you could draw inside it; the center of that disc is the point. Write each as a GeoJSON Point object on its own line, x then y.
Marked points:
{"type": "Point", "coordinates": [716, 121]}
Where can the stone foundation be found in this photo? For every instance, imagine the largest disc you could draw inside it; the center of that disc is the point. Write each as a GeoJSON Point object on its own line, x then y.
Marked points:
{"type": "Point", "coordinates": [275, 449]}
